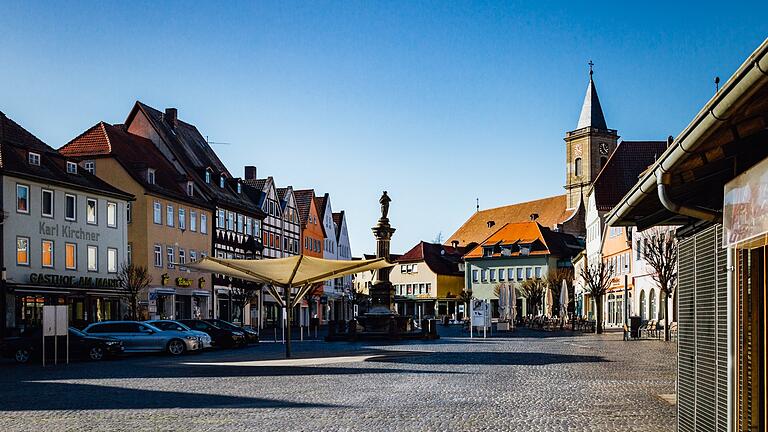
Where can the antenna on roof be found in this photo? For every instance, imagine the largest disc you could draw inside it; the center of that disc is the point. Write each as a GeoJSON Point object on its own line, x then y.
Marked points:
{"type": "Point", "coordinates": [214, 142]}
{"type": "Point", "coordinates": [717, 84]}
{"type": "Point", "coordinates": [477, 200]}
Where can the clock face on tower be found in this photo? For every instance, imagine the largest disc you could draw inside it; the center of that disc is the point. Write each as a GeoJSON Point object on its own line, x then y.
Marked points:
{"type": "Point", "coordinates": [604, 149]}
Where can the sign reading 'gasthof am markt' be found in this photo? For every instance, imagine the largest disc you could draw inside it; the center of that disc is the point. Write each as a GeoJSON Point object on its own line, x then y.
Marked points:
{"type": "Point", "coordinates": [72, 281]}
{"type": "Point", "coordinates": [745, 206]}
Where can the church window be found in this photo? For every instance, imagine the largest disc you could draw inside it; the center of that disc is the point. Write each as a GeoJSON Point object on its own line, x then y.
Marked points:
{"type": "Point", "coordinates": [577, 167]}
{"type": "Point", "coordinates": [603, 161]}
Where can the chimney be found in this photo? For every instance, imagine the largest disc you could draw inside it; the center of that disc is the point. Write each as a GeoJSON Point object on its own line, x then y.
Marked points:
{"type": "Point", "coordinates": [455, 244]}
{"type": "Point", "coordinates": [670, 140]}
{"type": "Point", "coordinates": [534, 216]}
{"type": "Point", "coordinates": [250, 172]}
{"type": "Point", "coordinates": [172, 117]}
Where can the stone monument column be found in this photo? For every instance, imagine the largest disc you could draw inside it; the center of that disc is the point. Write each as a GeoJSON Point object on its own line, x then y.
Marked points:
{"type": "Point", "coordinates": [382, 293]}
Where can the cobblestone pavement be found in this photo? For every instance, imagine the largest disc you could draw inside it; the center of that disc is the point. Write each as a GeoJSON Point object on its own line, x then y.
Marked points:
{"type": "Point", "coordinates": [532, 380]}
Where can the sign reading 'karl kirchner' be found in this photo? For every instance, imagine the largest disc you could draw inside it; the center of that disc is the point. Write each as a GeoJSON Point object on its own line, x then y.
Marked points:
{"type": "Point", "coordinates": [72, 281]}
{"type": "Point", "coordinates": [52, 230]}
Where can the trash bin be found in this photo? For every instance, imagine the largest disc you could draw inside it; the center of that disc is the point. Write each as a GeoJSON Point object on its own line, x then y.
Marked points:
{"type": "Point", "coordinates": [634, 327]}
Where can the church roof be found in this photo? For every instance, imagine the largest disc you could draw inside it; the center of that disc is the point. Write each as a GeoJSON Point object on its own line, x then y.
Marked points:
{"type": "Point", "coordinates": [591, 111]}
{"type": "Point", "coordinates": [549, 212]}
{"type": "Point", "coordinates": [620, 173]}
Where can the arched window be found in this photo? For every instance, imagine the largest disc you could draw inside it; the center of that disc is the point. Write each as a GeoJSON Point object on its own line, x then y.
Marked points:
{"type": "Point", "coordinates": [643, 310]}
{"type": "Point", "coordinates": [652, 305]}
{"type": "Point", "coordinates": [577, 167]}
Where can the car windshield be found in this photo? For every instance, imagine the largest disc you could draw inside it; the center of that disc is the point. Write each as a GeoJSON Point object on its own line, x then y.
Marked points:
{"type": "Point", "coordinates": [169, 325]}
{"type": "Point", "coordinates": [225, 324]}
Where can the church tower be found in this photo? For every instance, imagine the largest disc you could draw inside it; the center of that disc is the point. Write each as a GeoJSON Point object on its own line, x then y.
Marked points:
{"type": "Point", "coordinates": [587, 147]}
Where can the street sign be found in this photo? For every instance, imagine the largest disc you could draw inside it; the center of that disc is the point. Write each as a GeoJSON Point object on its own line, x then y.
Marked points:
{"type": "Point", "coordinates": [481, 313]}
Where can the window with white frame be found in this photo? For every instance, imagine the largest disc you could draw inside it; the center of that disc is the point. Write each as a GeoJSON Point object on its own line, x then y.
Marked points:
{"type": "Point", "coordinates": [22, 198]}
{"type": "Point", "coordinates": [192, 255]}
{"type": "Point", "coordinates": [203, 223]}
{"type": "Point", "coordinates": [91, 208]}
{"type": "Point", "coordinates": [129, 253]}
{"type": "Point", "coordinates": [171, 256]}
{"type": "Point", "coordinates": [46, 203]}
{"type": "Point", "coordinates": [70, 256]}
{"type": "Point", "coordinates": [169, 215]}
{"type": "Point", "coordinates": [190, 188]}
{"type": "Point", "coordinates": [157, 213]}
{"type": "Point", "coordinates": [220, 219]}
{"type": "Point", "coordinates": [34, 158]}
{"type": "Point", "coordinates": [128, 212]}
{"type": "Point", "coordinates": [192, 220]}
{"type": "Point", "coordinates": [150, 176]}
{"type": "Point", "coordinates": [111, 260]}
{"type": "Point", "coordinates": [182, 218]}
{"type": "Point", "coordinates": [71, 168]}
{"type": "Point", "coordinates": [90, 166]}
{"type": "Point", "coordinates": [208, 177]}
{"type": "Point", "coordinates": [22, 251]}
{"type": "Point", "coordinates": [493, 275]}
{"type": "Point", "coordinates": [46, 253]}
{"type": "Point", "coordinates": [111, 214]}
{"type": "Point", "coordinates": [182, 259]}
{"type": "Point", "coordinates": [93, 258]}
{"type": "Point", "coordinates": [70, 207]}
{"type": "Point", "coordinates": [158, 255]}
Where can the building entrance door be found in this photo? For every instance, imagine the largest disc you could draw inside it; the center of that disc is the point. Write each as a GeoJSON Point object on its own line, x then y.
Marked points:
{"type": "Point", "coordinates": [751, 320]}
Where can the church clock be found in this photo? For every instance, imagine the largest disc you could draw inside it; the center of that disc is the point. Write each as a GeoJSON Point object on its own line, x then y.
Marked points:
{"type": "Point", "coordinates": [604, 149]}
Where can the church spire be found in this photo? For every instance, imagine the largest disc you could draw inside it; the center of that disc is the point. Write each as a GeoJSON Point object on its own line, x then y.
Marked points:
{"type": "Point", "coordinates": [591, 111]}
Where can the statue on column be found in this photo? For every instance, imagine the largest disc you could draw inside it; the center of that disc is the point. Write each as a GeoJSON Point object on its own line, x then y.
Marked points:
{"type": "Point", "coordinates": [384, 201]}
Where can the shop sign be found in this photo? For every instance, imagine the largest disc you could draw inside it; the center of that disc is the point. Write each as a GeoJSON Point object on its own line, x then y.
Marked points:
{"type": "Point", "coordinates": [164, 278]}
{"type": "Point", "coordinates": [72, 281]}
{"type": "Point", "coordinates": [745, 205]}
{"type": "Point", "coordinates": [67, 232]}
{"type": "Point", "coordinates": [183, 282]}
{"type": "Point", "coordinates": [201, 283]}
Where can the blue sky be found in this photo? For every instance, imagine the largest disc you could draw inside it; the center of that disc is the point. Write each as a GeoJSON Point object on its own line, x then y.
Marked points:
{"type": "Point", "coordinates": [439, 103]}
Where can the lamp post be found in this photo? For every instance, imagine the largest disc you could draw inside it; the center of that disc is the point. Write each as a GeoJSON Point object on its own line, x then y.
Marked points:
{"type": "Point", "coordinates": [626, 306]}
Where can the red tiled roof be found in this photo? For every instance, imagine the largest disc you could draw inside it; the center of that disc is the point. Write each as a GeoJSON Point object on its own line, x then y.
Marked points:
{"type": "Point", "coordinates": [304, 199]}
{"type": "Point", "coordinates": [541, 240]}
{"type": "Point", "coordinates": [621, 171]}
{"type": "Point", "coordinates": [551, 212]}
{"type": "Point", "coordinates": [443, 260]}
{"type": "Point", "coordinates": [320, 205]}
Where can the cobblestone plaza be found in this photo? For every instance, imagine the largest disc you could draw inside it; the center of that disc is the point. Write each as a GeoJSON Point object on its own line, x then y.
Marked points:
{"type": "Point", "coordinates": [536, 381]}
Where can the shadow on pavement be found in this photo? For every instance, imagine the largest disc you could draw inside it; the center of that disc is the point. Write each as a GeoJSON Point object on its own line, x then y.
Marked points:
{"type": "Point", "coordinates": [490, 358]}
{"type": "Point", "coordinates": [48, 396]}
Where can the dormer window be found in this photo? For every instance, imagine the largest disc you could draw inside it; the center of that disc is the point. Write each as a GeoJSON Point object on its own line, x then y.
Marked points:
{"type": "Point", "coordinates": [221, 182]}
{"type": "Point", "coordinates": [488, 251]}
{"type": "Point", "coordinates": [150, 176]}
{"type": "Point", "coordinates": [71, 167]}
{"type": "Point", "coordinates": [90, 166]}
{"type": "Point", "coordinates": [208, 177]}
{"type": "Point", "coordinates": [239, 187]}
{"type": "Point", "coordinates": [34, 159]}
{"type": "Point", "coordinates": [190, 188]}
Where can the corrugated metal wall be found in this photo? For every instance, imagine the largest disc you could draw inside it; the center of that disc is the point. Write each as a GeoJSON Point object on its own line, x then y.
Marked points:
{"type": "Point", "coordinates": [702, 322]}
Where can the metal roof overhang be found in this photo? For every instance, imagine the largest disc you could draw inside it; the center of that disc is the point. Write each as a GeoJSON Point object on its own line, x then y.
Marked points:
{"type": "Point", "coordinates": [729, 135]}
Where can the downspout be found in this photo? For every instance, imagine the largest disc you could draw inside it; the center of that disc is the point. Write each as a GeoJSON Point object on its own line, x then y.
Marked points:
{"type": "Point", "coordinates": [663, 180]}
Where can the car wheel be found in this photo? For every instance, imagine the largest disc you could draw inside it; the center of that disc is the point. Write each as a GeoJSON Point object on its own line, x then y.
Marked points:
{"type": "Point", "coordinates": [22, 355]}
{"type": "Point", "coordinates": [96, 353]}
{"type": "Point", "coordinates": [176, 347]}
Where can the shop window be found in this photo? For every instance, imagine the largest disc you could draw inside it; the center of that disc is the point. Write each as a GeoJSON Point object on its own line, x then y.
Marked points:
{"type": "Point", "coordinates": [90, 211]}
{"type": "Point", "coordinates": [47, 253]}
{"type": "Point", "coordinates": [22, 251]}
{"type": "Point", "coordinates": [22, 198]}
{"type": "Point", "coordinates": [93, 258]}
{"type": "Point", "coordinates": [112, 215]}
{"type": "Point", "coordinates": [46, 205]}
{"type": "Point", "coordinates": [70, 256]}
{"type": "Point", "coordinates": [111, 260]}
{"type": "Point", "coordinates": [70, 211]}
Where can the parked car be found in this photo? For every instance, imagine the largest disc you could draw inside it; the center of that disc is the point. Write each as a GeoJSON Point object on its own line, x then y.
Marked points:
{"type": "Point", "coordinates": [143, 337]}
{"type": "Point", "coordinates": [30, 346]}
{"type": "Point", "coordinates": [251, 335]}
{"type": "Point", "coordinates": [205, 338]}
{"type": "Point", "coordinates": [222, 338]}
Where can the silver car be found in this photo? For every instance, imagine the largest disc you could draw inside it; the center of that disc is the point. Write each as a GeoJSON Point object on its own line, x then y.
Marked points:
{"type": "Point", "coordinates": [143, 337]}
{"type": "Point", "coordinates": [205, 338]}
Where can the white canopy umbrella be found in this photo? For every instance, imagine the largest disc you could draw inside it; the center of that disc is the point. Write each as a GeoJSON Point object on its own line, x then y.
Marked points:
{"type": "Point", "coordinates": [300, 272]}
{"type": "Point", "coordinates": [564, 300]}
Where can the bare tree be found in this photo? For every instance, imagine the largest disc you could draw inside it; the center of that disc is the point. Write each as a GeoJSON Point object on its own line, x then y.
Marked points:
{"type": "Point", "coordinates": [660, 253]}
{"type": "Point", "coordinates": [597, 280]}
{"type": "Point", "coordinates": [243, 294]}
{"type": "Point", "coordinates": [133, 279]}
{"type": "Point", "coordinates": [533, 290]}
